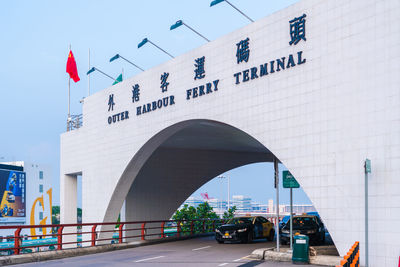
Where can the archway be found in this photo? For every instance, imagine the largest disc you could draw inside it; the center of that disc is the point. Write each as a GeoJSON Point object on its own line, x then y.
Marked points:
{"type": "Point", "coordinates": [177, 161]}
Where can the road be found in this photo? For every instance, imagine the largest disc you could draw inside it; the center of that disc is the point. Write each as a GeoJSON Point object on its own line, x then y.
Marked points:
{"type": "Point", "coordinates": [204, 251]}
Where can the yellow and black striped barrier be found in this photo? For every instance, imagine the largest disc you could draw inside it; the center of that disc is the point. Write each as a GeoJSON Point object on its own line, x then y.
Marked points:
{"type": "Point", "coordinates": [352, 258]}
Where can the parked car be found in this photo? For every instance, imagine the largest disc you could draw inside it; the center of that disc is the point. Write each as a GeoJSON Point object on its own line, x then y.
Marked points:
{"type": "Point", "coordinates": [309, 225]}
{"type": "Point", "coordinates": [284, 220]}
{"type": "Point", "coordinates": [327, 235]}
{"type": "Point", "coordinates": [245, 229]}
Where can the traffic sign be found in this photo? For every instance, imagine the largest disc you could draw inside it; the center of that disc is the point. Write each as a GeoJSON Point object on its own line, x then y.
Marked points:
{"type": "Point", "coordinates": [289, 181]}
{"type": "Point", "coordinates": [368, 166]}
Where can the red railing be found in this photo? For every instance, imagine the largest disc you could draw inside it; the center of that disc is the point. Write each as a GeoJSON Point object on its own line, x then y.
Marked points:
{"type": "Point", "coordinates": [92, 235]}
{"type": "Point", "coordinates": [63, 236]}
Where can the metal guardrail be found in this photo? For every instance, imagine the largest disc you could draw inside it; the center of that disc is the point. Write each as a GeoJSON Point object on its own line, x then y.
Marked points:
{"type": "Point", "coordinates": [121, 231]}
{"type": "Point", "coordinates": [74, 122]}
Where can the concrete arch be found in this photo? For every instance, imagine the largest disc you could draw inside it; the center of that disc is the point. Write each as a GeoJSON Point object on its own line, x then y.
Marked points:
{"type": "Point", "coordinates": [156, 180]}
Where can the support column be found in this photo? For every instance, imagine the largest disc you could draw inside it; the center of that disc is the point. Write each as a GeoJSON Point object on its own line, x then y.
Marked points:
{"type": "Point", "coordinates": [68, 206]}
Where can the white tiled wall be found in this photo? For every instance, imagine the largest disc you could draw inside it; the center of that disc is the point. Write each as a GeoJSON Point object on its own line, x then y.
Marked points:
{"type": "Point", "coordinates": [321, 119]}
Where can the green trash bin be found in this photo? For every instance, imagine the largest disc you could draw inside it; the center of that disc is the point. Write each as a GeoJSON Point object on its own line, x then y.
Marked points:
{"type": "Point", "coordinates": [300, 249]}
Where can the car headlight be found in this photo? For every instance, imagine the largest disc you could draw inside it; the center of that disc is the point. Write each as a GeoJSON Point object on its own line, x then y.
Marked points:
{"type": "Point", "coordinates": [311, 231]}
{"type": "Point", "coordinates": [242, 230]}
{"type": "Point", "coordinates": [285, 231]}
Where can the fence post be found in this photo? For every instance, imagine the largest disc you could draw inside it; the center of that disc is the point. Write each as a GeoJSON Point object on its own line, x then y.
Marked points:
{"type": "Point", "coordinates": [17, 241]}
{"type": "Point", "coordinates": [191, 227]}
{"type": "Point", "coordinates": [94, 235]}
{"type": "Point", "coordinates": [204, 226]}
{"type": "Point", "coordinates": [59, 237]}
{"type": "Point", "coordinates": [120, 232]}
{"type": "Point", "coordinates": [178, 229]}
{"type": "Point", "coordinates": [143, 230]}
{"type": "Point", "coordinates": [213, 228]}
{"type": "Point", "coordinates": [162, 230]}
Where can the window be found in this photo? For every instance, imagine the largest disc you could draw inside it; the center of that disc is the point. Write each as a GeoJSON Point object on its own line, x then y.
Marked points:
{"type": "Point", "coordinates": [41, 215]}
{"type": "Point", "coordinates": [40, 188]}
{"type": "Point", "coordinates": [41, 175]}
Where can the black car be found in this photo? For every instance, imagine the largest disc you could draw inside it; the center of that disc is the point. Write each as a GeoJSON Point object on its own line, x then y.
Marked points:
{"type": "Point", "coordinates": [309, 225]}
{"type": "Point", "coordinates": [284, 220]}
{"type": "Point", "coordinates": [245, 229]}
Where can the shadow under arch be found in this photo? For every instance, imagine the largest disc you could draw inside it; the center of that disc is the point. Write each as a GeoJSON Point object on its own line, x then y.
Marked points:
{"type": "Point", "coordinates": [176, 162]}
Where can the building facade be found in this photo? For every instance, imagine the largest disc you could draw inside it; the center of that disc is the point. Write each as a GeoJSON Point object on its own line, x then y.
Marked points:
{"type": "Point", "coordinates": [314, 86]}
{"type": "Point", "coordinates": [38, 197]}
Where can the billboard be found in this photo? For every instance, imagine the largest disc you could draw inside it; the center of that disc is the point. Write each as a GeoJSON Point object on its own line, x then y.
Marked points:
{"type": "Point", "coordinates": [12, 196]}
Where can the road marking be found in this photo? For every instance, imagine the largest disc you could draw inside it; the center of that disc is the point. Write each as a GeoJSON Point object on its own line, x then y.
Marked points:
{"type": "Point", "coordinates": [201, 248]}
{"type": "Point", "coordinates": [237, 260]}
{"type": "Point", "coordinates": [223, 264]}
{"type": "Point", "coordinates": [150, 259]}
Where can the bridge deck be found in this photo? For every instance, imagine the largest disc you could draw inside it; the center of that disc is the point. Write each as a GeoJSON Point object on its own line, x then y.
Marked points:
{"type": "Point", "coordinates": [204, 251]}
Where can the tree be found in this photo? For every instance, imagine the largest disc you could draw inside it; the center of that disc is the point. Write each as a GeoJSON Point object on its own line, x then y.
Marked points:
{"type": "Point", "coordinates": [230, 213]}
{"type": "Point", "coordinates": [189, 213]}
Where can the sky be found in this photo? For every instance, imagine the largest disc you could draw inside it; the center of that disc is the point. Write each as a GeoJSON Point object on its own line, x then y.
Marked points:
{"type": "Point", "coordinates": [36, 36]}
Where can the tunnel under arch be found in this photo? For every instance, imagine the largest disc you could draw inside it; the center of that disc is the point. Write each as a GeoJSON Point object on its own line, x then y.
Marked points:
{"type": "Point", "coordinates": [176, 162]}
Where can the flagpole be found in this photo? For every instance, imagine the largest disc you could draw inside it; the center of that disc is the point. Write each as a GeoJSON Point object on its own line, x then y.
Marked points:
{"type": "Point", "coordinates": [69, 96]}
{"type": "Point", "coordinates": [88, 75]}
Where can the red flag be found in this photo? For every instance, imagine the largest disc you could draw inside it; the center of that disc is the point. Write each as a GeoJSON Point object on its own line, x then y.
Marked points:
{"type": "Point", "coordinates": [71, 67]}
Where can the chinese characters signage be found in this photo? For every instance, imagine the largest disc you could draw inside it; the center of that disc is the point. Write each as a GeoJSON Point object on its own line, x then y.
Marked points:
{"type": "Point", "coordinates": [296, 34]}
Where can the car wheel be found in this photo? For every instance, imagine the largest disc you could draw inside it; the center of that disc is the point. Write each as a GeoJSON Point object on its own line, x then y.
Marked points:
{"type": "Point", "coordinates": [271, 235]}
{"type": "Point", "coordinates": [248, 238]}
{"type": "Point", "coordinates": [323, 239]}
{"type": "Point", "coordinates": [220, 241]}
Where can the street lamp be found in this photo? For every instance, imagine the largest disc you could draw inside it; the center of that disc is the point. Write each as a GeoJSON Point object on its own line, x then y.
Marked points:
{"type": "Point", "coordinates": [145, 40]}
{"type": "Point", "coordinates": [216, 2]}
{"type": "Point", "coordinates": [94, 69]}
{"type": "Point", "coordinates": [180, 23]}
{"type": "Point", "coordinates": [229, 189]}
{"type": "Point", "coordinates": [119, 56]}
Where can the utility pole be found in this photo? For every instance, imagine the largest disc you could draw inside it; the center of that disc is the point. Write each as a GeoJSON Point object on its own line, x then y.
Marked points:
{"type": "Point", "coordinates": [276, 169]}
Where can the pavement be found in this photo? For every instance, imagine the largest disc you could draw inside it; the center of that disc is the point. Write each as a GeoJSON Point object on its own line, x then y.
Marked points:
{"type": "Point", "coordinates": [203, 251]}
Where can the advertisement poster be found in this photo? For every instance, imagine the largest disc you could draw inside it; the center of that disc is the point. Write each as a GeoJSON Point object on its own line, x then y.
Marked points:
{"type": "Point", "coordinates": [12, 196]}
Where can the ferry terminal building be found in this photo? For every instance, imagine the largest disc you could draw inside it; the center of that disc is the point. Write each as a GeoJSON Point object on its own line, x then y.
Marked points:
{"type": "Point", "coordinates": [315, 85]}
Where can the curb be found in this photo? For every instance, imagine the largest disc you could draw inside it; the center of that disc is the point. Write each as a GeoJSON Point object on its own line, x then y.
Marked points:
{"type": "Point", "coordinates": [271, 255]}
{"type": "Point", "coordinates": [73, 252]}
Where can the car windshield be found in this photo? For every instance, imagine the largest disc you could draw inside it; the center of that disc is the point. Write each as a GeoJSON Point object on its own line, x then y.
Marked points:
{"type": "Point", "coordinates": [285, 219]}
{"type": "Point", "coordinates": [303, 222]}
{"type": "Point", "coordinates": [240, 220]}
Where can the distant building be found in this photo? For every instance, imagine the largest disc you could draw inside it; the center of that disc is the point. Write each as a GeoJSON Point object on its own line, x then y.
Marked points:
{"type": "Point", "coordinates": [242, 203]}
{"type": "Point", "coordinates": [298, 209]}
{"type": "Point", "coordinates": [26, 196]}
{"type": "Point", "coordinates": [218, 204]}
{"type": "Point", "coordinates": [192, 201]}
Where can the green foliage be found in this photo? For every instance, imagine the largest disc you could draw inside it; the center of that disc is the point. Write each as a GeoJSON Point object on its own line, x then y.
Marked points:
{"type": "Point", "coordinates": [189, 213]}
{"type": "Point", "coordinates": [230, 213]}
{"type": "Point", "coordinates": [56, 215]}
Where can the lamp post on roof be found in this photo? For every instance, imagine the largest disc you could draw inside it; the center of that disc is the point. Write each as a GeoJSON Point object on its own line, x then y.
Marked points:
{"type": "Point", "coordinates": [216, 2]}
{"type": "Point", "coordinates": [145, 40]}
{"type": "Point", "coordinates": [180, 23]}
{"type": "Point", "coordinates": [105, 74]}
{"type": "Point", "coordinates": [229, 189]}
{"type": "Point", "coordinates": [119, 56]}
